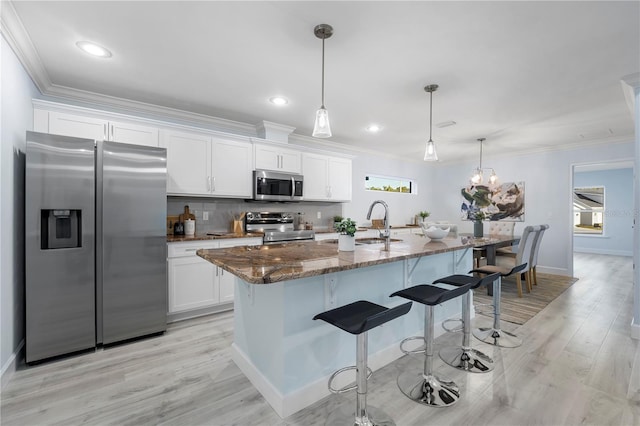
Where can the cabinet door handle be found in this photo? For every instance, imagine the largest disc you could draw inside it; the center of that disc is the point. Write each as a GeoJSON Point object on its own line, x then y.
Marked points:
{"type": "Point", "coordinates": [209, 183]}
{"type": "Point", "coordinates": [112, 137]}
{"type": "Point", "coordinates": [213, 184]}
{"type": "Point", "coordinates": [104, 132]}
{"type": "Point", "coordinates": [217, 269]}
{"type": "Point", "coordinates": [190, 249]}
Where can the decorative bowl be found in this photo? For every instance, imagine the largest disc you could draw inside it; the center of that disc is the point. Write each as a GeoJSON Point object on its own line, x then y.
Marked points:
{"type": "Point", "coordinates": [434, 232]}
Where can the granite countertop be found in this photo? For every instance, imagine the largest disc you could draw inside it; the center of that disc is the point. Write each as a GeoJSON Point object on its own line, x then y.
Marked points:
{"type": "Point", "coordinates": [212, 236]}
{"type": "Point", "coordinates": [281, 262]}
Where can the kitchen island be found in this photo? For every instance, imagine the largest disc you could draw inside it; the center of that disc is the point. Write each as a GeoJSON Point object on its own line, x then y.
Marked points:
{"type": "Point", "coordinates": [279, 288]}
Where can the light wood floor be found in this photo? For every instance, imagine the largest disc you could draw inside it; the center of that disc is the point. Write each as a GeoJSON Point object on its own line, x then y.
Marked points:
{"type": "Point", "coordinates": [578, 365]}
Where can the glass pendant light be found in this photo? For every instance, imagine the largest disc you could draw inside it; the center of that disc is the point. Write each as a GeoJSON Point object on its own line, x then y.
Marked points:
{"type": "Point", "coordinates": [322, 127]}
{"type": "Point", "coordinates": [430, 153]}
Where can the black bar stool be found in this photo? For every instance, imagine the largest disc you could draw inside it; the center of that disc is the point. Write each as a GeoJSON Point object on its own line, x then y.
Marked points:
{"type": "Point", "coordinates": [426, 388]}
{"type": "Point", "coordinates": [465, 357]}
{"type": "Point", "coordinates": [494, 335]}
{"type": "Point", "coordinates": [358, 318]}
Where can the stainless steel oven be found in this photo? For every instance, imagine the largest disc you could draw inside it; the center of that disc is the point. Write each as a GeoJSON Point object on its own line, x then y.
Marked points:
{"type": "Point", "coordinates": [277, 227]}
{"type": "Point", "coordinates": [276, 186]}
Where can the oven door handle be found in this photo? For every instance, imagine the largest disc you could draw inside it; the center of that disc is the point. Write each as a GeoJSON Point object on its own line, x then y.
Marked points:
{"type": "Point", "coordinates": [293, 187]}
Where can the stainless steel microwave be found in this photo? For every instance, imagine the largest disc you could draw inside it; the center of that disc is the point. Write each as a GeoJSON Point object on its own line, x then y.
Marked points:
{"type": "Point", "coordinates": [276, 186]}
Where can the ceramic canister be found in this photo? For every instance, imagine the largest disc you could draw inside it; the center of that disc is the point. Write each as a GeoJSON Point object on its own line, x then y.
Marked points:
{"type": "Point", "coordinates": [189, 227]}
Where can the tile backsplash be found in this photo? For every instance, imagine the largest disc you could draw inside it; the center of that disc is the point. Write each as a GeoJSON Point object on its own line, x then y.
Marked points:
{"type": "Point", "coordinates": [222, 211]}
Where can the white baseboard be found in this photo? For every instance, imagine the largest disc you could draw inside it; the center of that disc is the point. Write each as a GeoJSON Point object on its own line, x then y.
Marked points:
{"type": "Point", "coordinates": [603, 251]}
{"type": "Point", "coordinates": [553, 271]}
{"type": "Point", "coordinates": [10, 366]}
{"type": "Point", "coordinates": [286, 405]}
{"type": "Point", "coordinates": [635, 331]}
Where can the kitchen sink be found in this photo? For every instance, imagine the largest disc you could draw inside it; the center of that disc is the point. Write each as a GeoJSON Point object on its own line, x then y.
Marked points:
{"type": "Point", "coordinates": [361, 241]}
{"type": "Point", "coordinates": [375, 240]}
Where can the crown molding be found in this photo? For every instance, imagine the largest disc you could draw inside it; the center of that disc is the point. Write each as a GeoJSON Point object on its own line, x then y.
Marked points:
{"type": "Point", "coordinates": [630, 85]}
{"type": "Point", "coordinates": [20, 42]}
{"type": "Point", "coordinates": [128, 106]}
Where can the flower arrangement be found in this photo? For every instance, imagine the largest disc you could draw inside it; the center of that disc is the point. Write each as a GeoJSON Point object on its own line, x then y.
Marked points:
{"type": "Point", "coordinates": [477, 216]}
{"type": "Point", "coordinates": [424, 214]}
{"type": "Point", "coordinates": [346, 227]}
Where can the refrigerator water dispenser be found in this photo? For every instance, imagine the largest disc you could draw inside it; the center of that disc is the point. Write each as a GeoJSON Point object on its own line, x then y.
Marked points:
{"type": "Point", "coordinates": [60, 229]}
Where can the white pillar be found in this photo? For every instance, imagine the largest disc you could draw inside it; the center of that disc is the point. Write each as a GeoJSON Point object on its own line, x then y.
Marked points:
{"type": "Point", "coordinates": [633, 97]}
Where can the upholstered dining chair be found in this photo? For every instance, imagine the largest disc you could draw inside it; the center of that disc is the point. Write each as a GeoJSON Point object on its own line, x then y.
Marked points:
{"type": "Point", "coordinates": [507, 266]}
{"type": "Point", "coordinates": [534, 253]}
{"type": "Point", "coordinates": [496, 228]}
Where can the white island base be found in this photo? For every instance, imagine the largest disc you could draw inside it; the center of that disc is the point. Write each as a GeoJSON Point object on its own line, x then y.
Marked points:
{"type": "Point", "coordinates": [289, 357]}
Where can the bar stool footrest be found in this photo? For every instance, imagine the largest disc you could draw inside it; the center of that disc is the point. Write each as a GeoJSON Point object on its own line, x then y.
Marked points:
{"type": "Point", "coordinates": [346, 388]}
{"type": "Point", "coordinates": [420, 350]}
{"type": "Point", "coordinates": [455, 329]}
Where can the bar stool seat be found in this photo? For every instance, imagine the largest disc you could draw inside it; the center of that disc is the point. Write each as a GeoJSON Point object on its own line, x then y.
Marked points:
{"type": "Point", "coordinates": [465, 357]}
{"type": "Point", "coordinates": [425, 388]}
{"type": "Point", "coordinates": [358, 318]}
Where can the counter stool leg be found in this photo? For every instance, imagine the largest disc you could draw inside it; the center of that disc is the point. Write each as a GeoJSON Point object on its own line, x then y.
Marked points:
{"type": "Point", "coordinates": [363, 416]}
{"type": "Point", "coordinates": [494, 335]}
{"type": "Point", "coordinates": [426, 388]}
{"type": "Point", "coordinates": [466, 358]}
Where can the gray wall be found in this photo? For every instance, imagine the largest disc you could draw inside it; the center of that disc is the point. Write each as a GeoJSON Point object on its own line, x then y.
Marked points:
{"type": "Point", "coordinates": [16, 116]}
{"type": "Point", "coordinates": [618, 219]}
{"type": "Point", "coordinates": [221, 211]}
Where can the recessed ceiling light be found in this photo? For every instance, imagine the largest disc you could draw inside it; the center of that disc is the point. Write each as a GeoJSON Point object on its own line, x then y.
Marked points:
{"type": "Point", "coordinates": [374, 128]}
{"type": "Point", "coordinates": [279, 100]}
{"type": "Point", "coordinates": [94, 49]}
{"type": "Point", "coordinates": [446, 124]}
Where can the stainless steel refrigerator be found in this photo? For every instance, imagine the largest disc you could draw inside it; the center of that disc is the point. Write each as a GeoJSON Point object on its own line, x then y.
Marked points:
{"type": "Point", "coordinates": [95, 243]}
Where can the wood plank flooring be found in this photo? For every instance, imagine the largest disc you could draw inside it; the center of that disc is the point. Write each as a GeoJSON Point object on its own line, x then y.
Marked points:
{"type": "Point", "coordinates": [578, 365]}
{"type": "Point", "coordinates": [519, 310]}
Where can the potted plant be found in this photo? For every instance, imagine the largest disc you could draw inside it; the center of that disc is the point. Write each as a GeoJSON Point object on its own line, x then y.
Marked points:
{"type": "Point", "coordinates": [478, 228]}
{"type": "Point", "coordinates": [422, 215]}
{"type": "Point", "coordinates": [347, 238]}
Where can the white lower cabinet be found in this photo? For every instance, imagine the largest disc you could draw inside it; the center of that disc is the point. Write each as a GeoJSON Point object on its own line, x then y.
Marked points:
{"type": "Point", "coordinates": [196, 284]}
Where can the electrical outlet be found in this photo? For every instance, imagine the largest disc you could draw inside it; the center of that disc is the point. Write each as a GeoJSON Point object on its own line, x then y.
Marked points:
{"type": "Point", "coordinates": [205, 215]}
{"type": "Point", "coordinates": [319, 215]}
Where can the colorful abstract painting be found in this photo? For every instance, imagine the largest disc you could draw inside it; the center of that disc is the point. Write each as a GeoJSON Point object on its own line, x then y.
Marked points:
{"type": "Point", "coordinates": [503, 201]}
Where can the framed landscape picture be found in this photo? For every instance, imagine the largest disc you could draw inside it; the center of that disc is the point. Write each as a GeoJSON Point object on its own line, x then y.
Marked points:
{"type": "Point", "coordinates": [496, 202]}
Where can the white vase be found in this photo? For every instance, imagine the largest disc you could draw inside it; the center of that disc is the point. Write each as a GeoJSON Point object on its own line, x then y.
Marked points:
{"type": "Point", "coordinates": [346, 242]}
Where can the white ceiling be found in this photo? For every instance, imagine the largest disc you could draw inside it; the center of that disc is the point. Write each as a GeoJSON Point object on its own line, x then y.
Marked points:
{"type": "Point", "coordinates": [526, 75]}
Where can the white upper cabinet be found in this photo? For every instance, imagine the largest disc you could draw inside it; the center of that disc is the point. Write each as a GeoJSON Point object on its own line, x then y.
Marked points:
{"type": "Point", "coordinates": [60, 123]}
{"type": "Point", "coordinates": [188, 162]}
{"type": "Point", "coordinates": [273, 157]}
{"type": "Point", "coordinates": [203, 165]}
{"type": "Point", "coordinates": [76, 126]}
{"type": "Point", "coordinates": [340, 180]}
{"type": "Point", "coordinates": [133, 133]}
{"type": "Point", "coordinates": [231, 168]}
{"type": "Point", "coordinates": [326, 178]}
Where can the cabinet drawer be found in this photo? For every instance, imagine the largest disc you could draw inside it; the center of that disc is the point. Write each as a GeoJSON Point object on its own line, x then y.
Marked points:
{"type": "Point", "coordinates": [190, 248]}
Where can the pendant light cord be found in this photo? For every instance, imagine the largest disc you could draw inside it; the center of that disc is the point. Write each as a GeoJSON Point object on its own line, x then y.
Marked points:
{"type": "Point", "coordinates": [430, 114]}
{"type": "Point", "coordinates": [322, 72]}
{"type": "Point", "coordinates": [481, 155]}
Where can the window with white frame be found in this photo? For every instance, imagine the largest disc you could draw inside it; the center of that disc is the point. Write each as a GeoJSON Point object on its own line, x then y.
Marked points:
{"type": "Point", "coordinates": [390, 184]}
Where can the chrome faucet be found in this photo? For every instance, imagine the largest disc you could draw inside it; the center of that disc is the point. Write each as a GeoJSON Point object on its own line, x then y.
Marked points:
{"type": "Point", "coordinates": [386, 234]}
